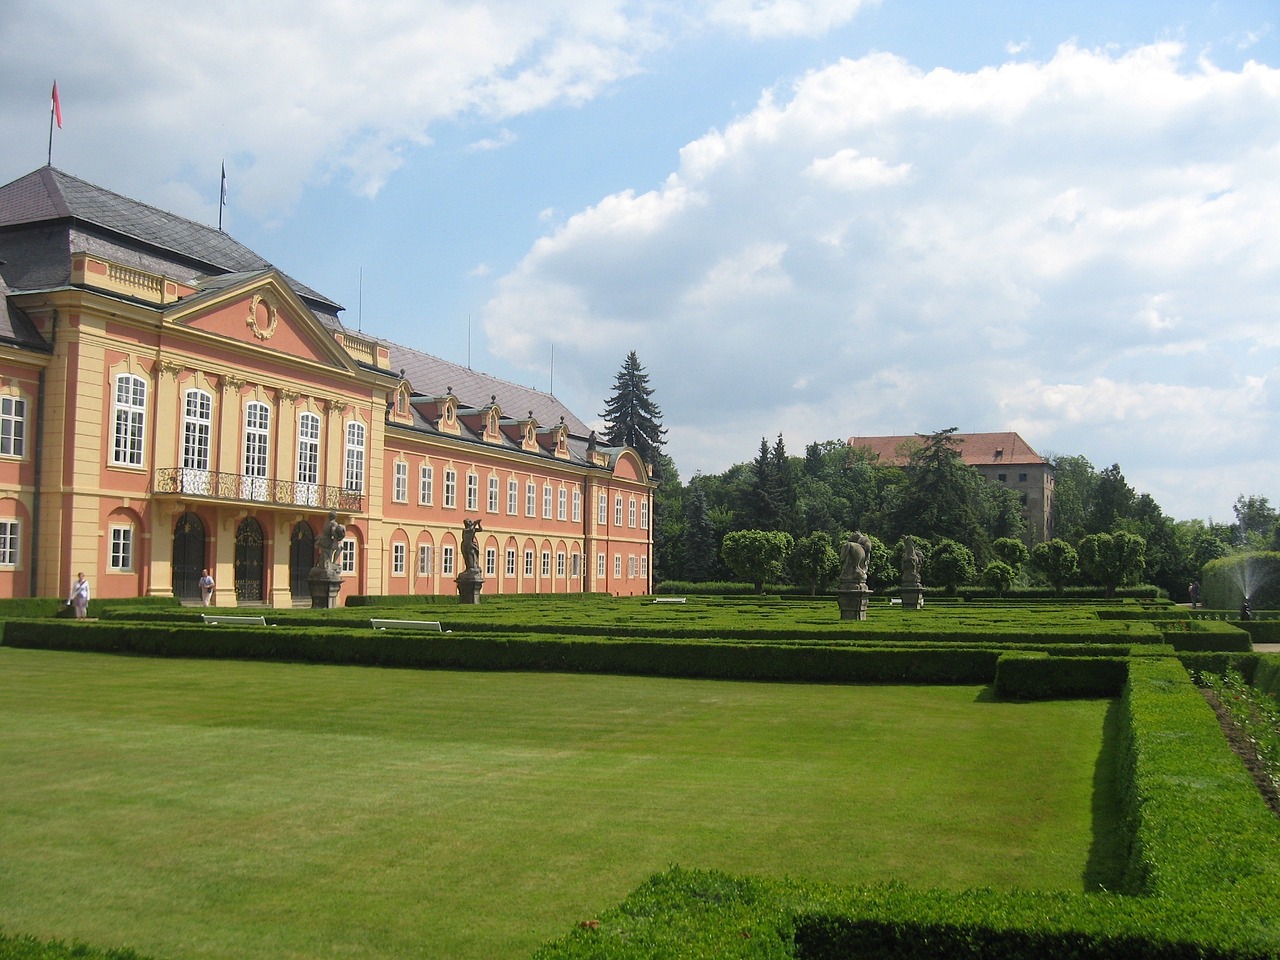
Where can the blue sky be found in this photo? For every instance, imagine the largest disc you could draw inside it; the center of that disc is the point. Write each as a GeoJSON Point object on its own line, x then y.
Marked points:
{"type": "Point", "coordinates": [818, 219]}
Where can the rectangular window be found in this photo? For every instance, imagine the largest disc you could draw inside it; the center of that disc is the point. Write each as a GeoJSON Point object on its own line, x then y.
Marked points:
{"type": "Point", "coordinates": [530, 499]}
{"type": "Point", "coordinates": [562, 504]}
{"type": "Point", "coordinates": [631, 512]}
{"type": "Point", "coordinates": [546, 563]}
{"type": "Point", "coordinates": [400, 488]}
{"type": "Point", "coordinates": [528, 563]}
{"type": "Point", "coordinates": [451, 488]}
{"type": "Point", "coordinates": [493, 494]}
{"type": "Point", "coordinates": [575, 566]}
{"type": "Point", "coordinates": [490, 561]}
{"type": "Point", "coordinates": [308, 448]}
{"type": "Point", "coordinates": [446, 560]}
{"type": "Point", "coordinates": [513, 497]}
{"type": "Point", "coordinates": [398, 551]}
{"type": "Point", "coordinates": [473, 492]}
{"type": "Point", "coordinates": [257, 432]}
{"type": "Point", "coordinates": [511, 562]}
{"type": "Point", "coordinates": [560, 563]}
{"type": "Point", "coordinates": [347, 556]}
{"type": "Point", "coordinates": [9, 531]}
{"type": "Point", "coordinates": [1022, 478]}
{"type": "Point", "coordinates": [121, 548]}
{"type": "Point", "coordinates": [426, 484]}
{"type": "Point", "coordinates": [617, 565]}
{"type": "Point", "coordinates": [354, 474]}
{"type": "Point", "coordinates": [600, 565]}
{"type": "Point", "coordinates": [631, 566]}
{"type": "Point", "coordinates": [424, 559]}
{"type": "Point", "coordinates": [130, 420]}
{"type": "Point", "coordinates": [644, 566]}
{"type": "Point", "coordinates": [546, 501]}
{"type": "Point", "coordinates": [617, 512]}
{"type": "Point", "coordinates": [602, 509]}
{"type": "Point", "coordinates": [13, 426]}
{"type": "Point", "coordinates": [577, 505]}
{"type": "Point", "coordinates": [644, 514]}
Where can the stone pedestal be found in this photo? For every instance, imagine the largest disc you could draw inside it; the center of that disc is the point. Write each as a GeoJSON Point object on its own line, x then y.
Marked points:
{"type": "Point", "coordinates": [853, 601]}
{"type": "Point", "coordinates": [470, 583]}
{"type": "Point", "coordinates": [324, 588]}
{"type": "Point", "coordinates": [912, 598]}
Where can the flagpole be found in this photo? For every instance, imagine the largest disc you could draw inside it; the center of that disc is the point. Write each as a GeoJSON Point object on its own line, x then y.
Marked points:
{"type": "Point", "coordinates": [49, 161]}
{"type": "Point", "coordinates": [55, 112]}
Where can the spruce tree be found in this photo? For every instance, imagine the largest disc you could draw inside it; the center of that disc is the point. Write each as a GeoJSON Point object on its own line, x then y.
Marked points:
{"type": "Point", "coordinates": [631, 417]}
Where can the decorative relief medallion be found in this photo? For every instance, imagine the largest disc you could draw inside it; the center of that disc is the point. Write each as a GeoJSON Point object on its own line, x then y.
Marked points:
{"type": "Point", "coordinates": [262, 310]}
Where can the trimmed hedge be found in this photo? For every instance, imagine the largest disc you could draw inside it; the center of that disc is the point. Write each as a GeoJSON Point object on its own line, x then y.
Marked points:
{"type": "Point", "coordinates": [1028, 676]}
{"type": "Point", "coordinates": [32, 607]}
{"type": "Point", "coordinates": [1221, 581]}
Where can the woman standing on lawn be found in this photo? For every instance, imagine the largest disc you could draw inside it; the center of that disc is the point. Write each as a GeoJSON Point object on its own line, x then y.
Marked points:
{"type": "Point", "coordinates": [79, 599]}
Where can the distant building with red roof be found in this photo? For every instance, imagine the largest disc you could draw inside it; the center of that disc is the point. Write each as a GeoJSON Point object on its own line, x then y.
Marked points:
{"type": "Point", "coordinates": [1003, 458]}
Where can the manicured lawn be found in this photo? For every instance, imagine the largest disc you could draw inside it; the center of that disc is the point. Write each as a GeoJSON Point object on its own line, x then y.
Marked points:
{"type": "Point", "coordinates": [201, 809]}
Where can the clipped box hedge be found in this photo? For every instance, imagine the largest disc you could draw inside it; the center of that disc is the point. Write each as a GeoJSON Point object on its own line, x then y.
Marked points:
{"type": "Point", "coordinates": [1031, 676]}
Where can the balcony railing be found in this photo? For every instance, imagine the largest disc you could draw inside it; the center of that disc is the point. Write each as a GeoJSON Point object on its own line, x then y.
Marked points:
{"type": "Point", "coordinates": [212, 485]}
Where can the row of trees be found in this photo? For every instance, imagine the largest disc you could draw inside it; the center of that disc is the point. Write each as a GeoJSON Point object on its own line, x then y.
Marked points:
{"type": "Point", "coordinates": [818, 498]}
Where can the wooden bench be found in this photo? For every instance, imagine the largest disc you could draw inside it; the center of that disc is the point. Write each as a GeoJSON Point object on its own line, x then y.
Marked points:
{"type": "Point", "coordinates": [217, 618]}
{"type": "Point", "coordinates": [433, 626]}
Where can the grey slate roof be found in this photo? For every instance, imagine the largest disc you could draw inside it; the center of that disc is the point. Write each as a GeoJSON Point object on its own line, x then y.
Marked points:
{"type": "Point", "coordinates": [179, 247]}
{"type": "Point", "coordinates": [432, 376]}
{"type": "Point", "coordinates": [15, 326]}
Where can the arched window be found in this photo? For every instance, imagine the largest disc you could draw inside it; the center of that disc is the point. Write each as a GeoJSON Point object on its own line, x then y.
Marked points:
{"type": "Point", "coordinates": [354, 475]}
{"type": "Point", "coordinates": [197, 426]}
{"type": "Point", "coordinates": [257, 426]}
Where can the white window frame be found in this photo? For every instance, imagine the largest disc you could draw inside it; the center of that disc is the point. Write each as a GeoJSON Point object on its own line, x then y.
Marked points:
{"type": "Point", "coordinates": [546, 564]}
{"type": "Point", "coordinates": [644, 514]}
{"type": "Point", "coordinates": [530, 499]}
{"type": "Point", "coordinates": [120, 548]}
{"type": "Point", "coordinates": [513, 497]}
{"type": "Point", "coordinates": [450, 488]}
{"type": "Point", "coordinates": [308, 474]}
{"type": "Point", "coordinates": [424, 559]}
{"type": "Point", "coordinates": [631, 512]}
{"type": "Point", "coordinates": [546, 501]}
{"type": "Point", "coordinates": [399, 552]}
{"type": "Point", "coordinates": [528, 563]}
{"type": "Point", "coordinates": [347, 556]}
{"type": "Point", "coordinates": [353, 474]}
{"type": "Point", "coordinates": [400, 482]}
{"type": "Point", "coordinates": [473, 492]}
{"type": "Point", "coordinates": [560, 564]}
{"type": "Point", "coordinates": [494, 494]}
{"type": "Point", "coordinates": [511, 561]}
{"type": "Point", "coordinates": [575, 565]}
{"type": "Point", "coordinates": [490, 561]}
{"type": "Point", "coordinates": [602, 565]}
{"type": "Point", "coordinates": [577, 505]}
{"type": "Point", "coordinates": [562, 504]}
{"type": "Point", "coordinates": [10, 542]}
{"type": "Point", "coordinates": [256, 459]}
{"type": "Point", "coordinates": [602, 508]}
{"type": "Point", "coordinates": [617, 566]}
{"type": "Point", "coordinates": [13, 427]}
{"type": "Point", "coordinates": [446, 560]}
{"type": "Point", "coordinates": [617, 511]}
{"type": "Point", "coordinates": [130, 416]}
{"type": "Point", "coordinates": [426, 484]}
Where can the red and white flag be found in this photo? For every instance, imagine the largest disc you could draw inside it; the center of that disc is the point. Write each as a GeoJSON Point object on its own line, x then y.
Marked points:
{"type": "Point", "coordinates": [57, 105]}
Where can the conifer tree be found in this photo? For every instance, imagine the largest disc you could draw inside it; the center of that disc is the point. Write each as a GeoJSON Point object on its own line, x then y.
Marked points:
{"type": "Point", "coordinates": [631, 417]}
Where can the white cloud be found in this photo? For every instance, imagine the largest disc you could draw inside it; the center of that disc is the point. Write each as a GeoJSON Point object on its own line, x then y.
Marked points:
{"type": "Point", "coordinates": [1082, 249]}
{"type": "Point", "coordinates": [785, 18]}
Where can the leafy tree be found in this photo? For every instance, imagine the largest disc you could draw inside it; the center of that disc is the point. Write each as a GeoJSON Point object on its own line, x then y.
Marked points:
{"type": "Point", "coordinates": [880, 569]}
{"type": "Point", "coordinates": [1074, 480]}
{"type": "Point", "coordinates": [1056, 560]}
{"type": "Point", "coordinates": [1011, 551]}
{"type": "Point", "coordinates": [699, 536]}
{"type": "Point", "coordinates": [1113, 560]}
{"type": "Point", "coordinates": [1256, 522]}
{"type": "Point", "coordinates": [631, 417]}
{"type": "Point", "coordinates": [941, 492]}
{"type": "Point", "coordinates": [999, 576]}
{"type": "Point", "coordinates": [1113, 501]}
{"type": "Point", "coordinates": [951, 564]}
{"type": "Point", "coordinates": [814, 561]}
{"type": "Point", "coordinates": [757, 556]}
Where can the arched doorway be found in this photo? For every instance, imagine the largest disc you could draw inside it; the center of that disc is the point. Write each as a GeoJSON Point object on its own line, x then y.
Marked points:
{"type": "Point", "coordinates": [249, 568]}
{"type": "Point", "coordinates": [188, 556]}
{"type": "Point", "coordinates": [302, 553]}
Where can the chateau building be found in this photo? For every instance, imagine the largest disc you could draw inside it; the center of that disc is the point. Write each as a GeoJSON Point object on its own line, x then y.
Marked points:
{"type": "Point", "coordinates": [1002, 458]}
{"type": "Point", "coordinates": [169, 401]}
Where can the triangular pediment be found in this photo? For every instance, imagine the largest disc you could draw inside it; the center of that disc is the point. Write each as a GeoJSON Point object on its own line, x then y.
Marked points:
{"type": "Point", "coordinates": [262, 313]}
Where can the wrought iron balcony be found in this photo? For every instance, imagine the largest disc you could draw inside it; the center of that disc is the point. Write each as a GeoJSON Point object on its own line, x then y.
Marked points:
{"type": "Point", "coordinates": [237, 487]}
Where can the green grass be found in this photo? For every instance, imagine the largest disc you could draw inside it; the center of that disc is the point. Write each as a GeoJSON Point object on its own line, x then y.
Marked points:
{"type": "Point", "coordinates": [199, 809]}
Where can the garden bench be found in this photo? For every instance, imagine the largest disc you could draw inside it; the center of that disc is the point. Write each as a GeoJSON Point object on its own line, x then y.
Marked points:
{"type": "Point", "coordinates": [217, 618]}
{"type": "Point", "coordinates": [669, 599]}
{"type": "Point", "coordinates": [432, 626]}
